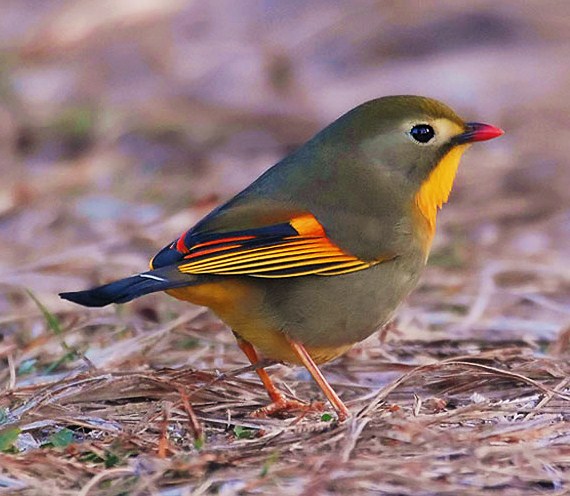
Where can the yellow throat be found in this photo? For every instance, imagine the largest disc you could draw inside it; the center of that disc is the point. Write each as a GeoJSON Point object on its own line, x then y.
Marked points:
{"type": "Point", "coordinates": [434, 192]}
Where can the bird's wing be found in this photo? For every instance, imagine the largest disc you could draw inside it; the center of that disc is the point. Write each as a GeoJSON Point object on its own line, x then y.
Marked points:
{"type": "Point", "coordinates": [297, 247]}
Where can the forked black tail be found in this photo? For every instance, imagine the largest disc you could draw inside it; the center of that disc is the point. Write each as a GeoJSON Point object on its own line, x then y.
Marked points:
{"type": "Point", "coordinates": [128, 289]}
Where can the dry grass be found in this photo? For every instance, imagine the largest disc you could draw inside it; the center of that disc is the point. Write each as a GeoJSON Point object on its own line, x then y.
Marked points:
{"type": "Point", "coordinates": [114, 143]}
{"type": "Point", "coordinates": [489, 420]}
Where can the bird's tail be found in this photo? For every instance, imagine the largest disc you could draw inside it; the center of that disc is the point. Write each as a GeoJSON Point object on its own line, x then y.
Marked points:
{"type": "Point", "coordinates": [131, 287]}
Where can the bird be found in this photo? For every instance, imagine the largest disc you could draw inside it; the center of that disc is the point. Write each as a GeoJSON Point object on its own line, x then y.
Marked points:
{"type": "Point", "coordinates": [318, 252]}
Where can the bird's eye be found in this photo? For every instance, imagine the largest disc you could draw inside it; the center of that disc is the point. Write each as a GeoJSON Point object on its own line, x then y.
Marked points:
{"type": "Point", "coordinates": [422, 133]}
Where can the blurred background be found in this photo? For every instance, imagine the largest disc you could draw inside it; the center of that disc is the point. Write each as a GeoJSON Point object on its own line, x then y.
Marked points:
{"type": "Point", "coordinates": [122, 122]}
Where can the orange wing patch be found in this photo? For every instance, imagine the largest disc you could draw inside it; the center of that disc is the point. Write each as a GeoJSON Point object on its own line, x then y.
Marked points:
{"type": "Point", "coordinates": [297, 248]}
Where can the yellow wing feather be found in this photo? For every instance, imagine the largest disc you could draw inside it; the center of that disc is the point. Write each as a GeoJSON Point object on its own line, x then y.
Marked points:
{"type": "Point", "coordinates": [309, 252]}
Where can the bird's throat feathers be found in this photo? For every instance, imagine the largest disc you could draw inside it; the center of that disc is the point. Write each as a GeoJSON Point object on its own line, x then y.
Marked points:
{"type": "Point", "coordinates": [434, 191]}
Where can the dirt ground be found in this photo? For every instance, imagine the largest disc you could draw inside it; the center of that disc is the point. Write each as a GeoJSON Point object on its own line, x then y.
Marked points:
{"type": "Point", "coordinates": [123, 122]}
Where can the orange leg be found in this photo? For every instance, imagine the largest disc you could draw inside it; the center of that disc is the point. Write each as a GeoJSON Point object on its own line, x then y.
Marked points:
{"type": "Point", "coordinates": [341, 409]}
{"type": "Point", "coordinates": [278, 401]}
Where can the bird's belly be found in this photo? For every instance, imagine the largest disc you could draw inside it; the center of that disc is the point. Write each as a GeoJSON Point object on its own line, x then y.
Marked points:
{"type": "Point", "coordinates": [343, 310]}
{"type": "Point", "coordinates": [328, 315]}
{"type": "Point", "coordinates": [242, 305]}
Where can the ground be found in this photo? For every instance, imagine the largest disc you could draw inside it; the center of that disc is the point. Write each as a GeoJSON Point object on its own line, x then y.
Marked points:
{"type": "Point", "coordinates": [121, 126]}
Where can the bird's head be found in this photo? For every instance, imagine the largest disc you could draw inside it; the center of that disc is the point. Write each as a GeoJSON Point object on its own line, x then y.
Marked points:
{"type": "Point", "coordinates": [417, 141]}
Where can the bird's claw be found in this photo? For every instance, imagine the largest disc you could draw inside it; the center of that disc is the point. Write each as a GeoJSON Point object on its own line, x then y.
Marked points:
{"type": "Point", "coordinates": [282, 404]}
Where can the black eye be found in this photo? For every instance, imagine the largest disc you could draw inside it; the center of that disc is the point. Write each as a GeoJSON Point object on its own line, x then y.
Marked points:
{"type": "Point", "coordinates": [422, 133]}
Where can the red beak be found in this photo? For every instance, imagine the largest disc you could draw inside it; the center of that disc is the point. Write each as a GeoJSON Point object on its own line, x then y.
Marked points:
{"type": "Point", "coordinates": [476, 131]}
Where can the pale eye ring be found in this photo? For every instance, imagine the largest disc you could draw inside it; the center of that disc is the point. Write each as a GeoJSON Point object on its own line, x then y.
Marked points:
{"type": "Point", "coordinates": [422, 133]}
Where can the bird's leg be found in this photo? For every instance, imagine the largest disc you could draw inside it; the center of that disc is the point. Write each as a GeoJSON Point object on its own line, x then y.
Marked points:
{"type": "Point", "coordinates": [279, 403]}
{"type": "Point", "coordinates": [299, 350]}
{"type": "Point", "coordinates": [252, 356]}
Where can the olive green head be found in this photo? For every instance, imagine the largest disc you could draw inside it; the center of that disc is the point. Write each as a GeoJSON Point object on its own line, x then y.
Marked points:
{"type": "Point", "coordinates": [406, 135]}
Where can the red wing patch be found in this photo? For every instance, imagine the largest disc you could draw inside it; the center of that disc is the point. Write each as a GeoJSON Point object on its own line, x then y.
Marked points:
{"type": "Point", "coordinates": [296, 248]}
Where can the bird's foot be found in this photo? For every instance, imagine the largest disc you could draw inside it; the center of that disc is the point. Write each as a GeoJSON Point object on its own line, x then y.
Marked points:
{"type": "Point", "coordinates": [282, 404]}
